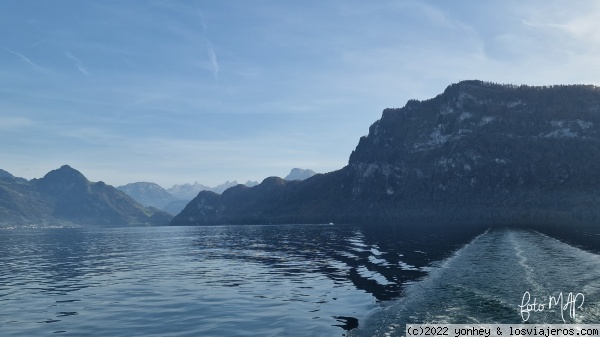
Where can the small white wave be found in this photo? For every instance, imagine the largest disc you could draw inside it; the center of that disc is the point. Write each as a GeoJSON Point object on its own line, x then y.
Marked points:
{"type": "Point", "coordinates": [372, 275]}
{"type": "Point", "coordinates": [406, 266]}
{"type": "Point", "coordinates": [377, 261]}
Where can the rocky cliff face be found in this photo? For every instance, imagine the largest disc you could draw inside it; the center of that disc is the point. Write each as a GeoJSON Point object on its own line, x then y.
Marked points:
{"type": "Point", "coordinates": [479, 152]}
{"type": "Point", "coordinates": [486, 144]}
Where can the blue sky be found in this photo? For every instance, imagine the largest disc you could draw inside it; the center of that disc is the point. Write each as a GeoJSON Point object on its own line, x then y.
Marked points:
{"type": "Point", "coordinates": [183, 91]}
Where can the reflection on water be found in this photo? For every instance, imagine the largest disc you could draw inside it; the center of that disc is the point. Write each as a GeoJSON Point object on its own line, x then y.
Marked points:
{"type": "Point", "coordinates": [280, 280]}
{"type": "Point", "coordinates": [218, 281]}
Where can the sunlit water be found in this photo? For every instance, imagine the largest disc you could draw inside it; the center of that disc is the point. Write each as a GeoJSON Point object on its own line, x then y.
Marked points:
{"type": "Point", "coordinates": [277, 280]}
{"type": "Point", "coordinates": [485, 282]}
{"type": "Point", "coordinates": [205, 281]}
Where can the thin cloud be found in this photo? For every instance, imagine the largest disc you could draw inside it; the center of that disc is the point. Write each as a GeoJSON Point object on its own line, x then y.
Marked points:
{"type": "Point", "coordinates": [78, 64]}
{"type": "Point", "coordinates": [212, 56]}
{"type": "Point", "coordinates": [35, 44]}
{"type": "Point", "coordinates": [24, 58]}
{"type": "Point", "coordinates": [193, 29]}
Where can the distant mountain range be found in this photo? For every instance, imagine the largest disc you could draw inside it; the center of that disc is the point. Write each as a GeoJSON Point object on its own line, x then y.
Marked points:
{"type": "Point", "coordinates": [64, 197]}
{"type": "Point", "coordinates": [148, 194]}
{"type": "Point", "coordinates": [479, 153]}
{"type": "Point", "coordinates": [190, 191]}
{"type": "Point", "coordinates": [171, 200]}
{"type": "Point", "coordinates": [175, 198]}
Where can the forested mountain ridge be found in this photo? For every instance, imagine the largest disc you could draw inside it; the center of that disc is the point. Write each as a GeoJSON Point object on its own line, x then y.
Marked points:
{"type": "Point", "coordinates": [477, 153]}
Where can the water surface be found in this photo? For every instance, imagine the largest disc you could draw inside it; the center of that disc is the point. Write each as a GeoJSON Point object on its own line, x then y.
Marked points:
{"type": "Point", "coordinates": [485, 282]}
{"type": "Point", "coordinates": [313, 280]}
{"type": "Point", "coordinates": [308, 280]}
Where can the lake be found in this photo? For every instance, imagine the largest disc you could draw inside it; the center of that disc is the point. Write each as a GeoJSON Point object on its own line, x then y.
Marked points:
{"type": "Point", "coordinates": [292, 280]}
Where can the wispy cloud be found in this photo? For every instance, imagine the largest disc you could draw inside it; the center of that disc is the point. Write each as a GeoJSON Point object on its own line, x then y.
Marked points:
{"type": "Point", "coordinates": [197, 48]}
{"type": "Point", "coordinates": [212, 57]}
{"type": "Point", "coordinates": [579, 23]}
{"type": "Point", "coordinates": [35, 44]}
{"type": "Point", "coordinates": [78, 64]}
{"type": "Point", "coordinates": [25, 58]}
{"type": "Point", "coordinates": [221, 91]}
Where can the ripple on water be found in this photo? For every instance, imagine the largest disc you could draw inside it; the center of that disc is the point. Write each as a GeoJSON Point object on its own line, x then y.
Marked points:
{"type": "Point", "coordinates": [226, 281]}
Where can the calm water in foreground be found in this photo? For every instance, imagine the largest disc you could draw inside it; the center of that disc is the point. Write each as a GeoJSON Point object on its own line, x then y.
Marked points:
{"type": "Point", "coordinates": [279, 280]}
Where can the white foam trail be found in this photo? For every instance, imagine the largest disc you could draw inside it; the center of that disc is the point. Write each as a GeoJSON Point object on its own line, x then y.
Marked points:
{"type": "Point", "coordinates": [522, 260]}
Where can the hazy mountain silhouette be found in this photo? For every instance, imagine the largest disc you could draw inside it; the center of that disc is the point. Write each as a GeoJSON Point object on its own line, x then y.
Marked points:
{"type": "Point", "coordinates": [299, 174]}
{"type": "Point", "coordinates": [148, 194]}
{"type": "Point", "coordinates": [64, 197]}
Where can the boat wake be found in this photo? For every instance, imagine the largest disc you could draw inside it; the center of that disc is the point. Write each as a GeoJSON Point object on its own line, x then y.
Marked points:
{"type": "Point", "coordinates": [485, 282]}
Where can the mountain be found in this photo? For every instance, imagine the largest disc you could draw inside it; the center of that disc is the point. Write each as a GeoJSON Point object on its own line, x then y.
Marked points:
{"type": "Point", "coordinates": [479, 153]}
{"type": "Point", "coordinates": [148, 194]}
{"type": "Point", "coordinates": [172, 200]}
{"type": "Point", "coordinates": [21, 205]}
{"type": "Point", "coordinates": [251, 183]}
{"type": "Point", "coordinates": [64, 197]}
{"type": "Point", "coordinates": [7, 176]}
{"type": "Point", "coordinates": [220, 188]}
{"type": "Point", "coordinates": [299, 174]}
{"type": "Point", "coordinates": [175, 206]}
{"type": "Point", "coordinates": [187, 191]}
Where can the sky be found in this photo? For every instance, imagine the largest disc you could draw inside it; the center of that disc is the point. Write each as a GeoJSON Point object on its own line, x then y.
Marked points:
{"type": "Point", "coordinates": [175, 92]}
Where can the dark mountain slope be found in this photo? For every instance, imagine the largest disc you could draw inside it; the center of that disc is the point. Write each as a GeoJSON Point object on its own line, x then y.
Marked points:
{"type": "Point", "coordinates": [21, 205]}
{"type": "Point", "coordinates": [478, 153]}
{"type": "Point", "coordinates": [65, 197]}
